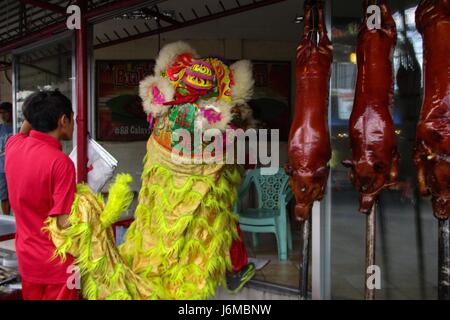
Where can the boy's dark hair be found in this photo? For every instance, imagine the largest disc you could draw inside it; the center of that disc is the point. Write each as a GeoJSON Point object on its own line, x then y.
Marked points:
{"type": "Point", "coordinates": [7, 106]}
{"type": "Point", "coordinates": [43, 109]}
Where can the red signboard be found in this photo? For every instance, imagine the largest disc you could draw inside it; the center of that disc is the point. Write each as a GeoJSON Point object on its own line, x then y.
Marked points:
{"type": "Point", "coordinates": [120, 116]}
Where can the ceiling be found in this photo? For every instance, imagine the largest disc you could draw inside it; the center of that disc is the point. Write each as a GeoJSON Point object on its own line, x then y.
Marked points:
{"type": "Point", "coordinates": [271, 22]}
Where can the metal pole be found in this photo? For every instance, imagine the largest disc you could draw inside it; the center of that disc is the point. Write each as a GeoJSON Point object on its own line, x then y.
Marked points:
{"type": "Point", "coordinates": [370, 249]}
{"type": "Point", "coordinates": [94, 16]}
{"type": "Point", "coordinates": [419, 241]}
{"type": "Point", "coordinates": [304, 262]}
{"type": "Point", "coordinates": [383, 233]}
{"type": "Point", "coordinates": [82, 95]}
{"type": "Point", "coordinates": [444, 260]}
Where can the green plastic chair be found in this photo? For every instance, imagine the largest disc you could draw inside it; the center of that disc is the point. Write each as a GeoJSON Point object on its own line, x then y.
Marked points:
{"type": "Point", "coordinates": [270, 216]}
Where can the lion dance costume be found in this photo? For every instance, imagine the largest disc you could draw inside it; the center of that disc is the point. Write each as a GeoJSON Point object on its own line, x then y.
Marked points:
{"type": "Point", "coordinates": [178, 245]}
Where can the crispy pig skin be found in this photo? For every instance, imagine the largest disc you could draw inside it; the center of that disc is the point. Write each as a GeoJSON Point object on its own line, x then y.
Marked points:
{"type": "Point", "coordinates": [432, 151]}
{"type": "Point", "coordinates": [374, 163]}
{"type": "Point", "coordinates": [309, 148]}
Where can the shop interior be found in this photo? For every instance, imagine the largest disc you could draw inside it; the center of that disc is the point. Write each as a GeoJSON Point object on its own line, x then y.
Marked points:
{"type": "Point", "coordinates": [123, 49]}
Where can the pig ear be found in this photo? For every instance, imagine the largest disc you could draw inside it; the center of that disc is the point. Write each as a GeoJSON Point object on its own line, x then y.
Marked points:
{"type": "Point", "coordinates": [321, 171]}
{"type": "Point", "coordinates": [288, 169]}
{"type": "Point", "coordinates": [378, 166]}
{"type": "Point", "coordinates": [348, 163]}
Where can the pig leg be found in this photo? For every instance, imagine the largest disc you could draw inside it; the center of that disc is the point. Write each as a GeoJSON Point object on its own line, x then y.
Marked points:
{"type": "Point", "coordinates": [394, 168]}
{"type": "Point", "coordinates": [420, 155]}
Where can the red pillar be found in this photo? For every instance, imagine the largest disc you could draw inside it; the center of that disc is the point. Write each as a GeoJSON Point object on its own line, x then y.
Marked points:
{"type": "Point", "coordinates": [82, 94]}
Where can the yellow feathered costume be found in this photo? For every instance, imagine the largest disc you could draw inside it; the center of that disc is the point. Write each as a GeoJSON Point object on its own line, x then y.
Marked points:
{"type": "Point", "coordinates": [178, 246]}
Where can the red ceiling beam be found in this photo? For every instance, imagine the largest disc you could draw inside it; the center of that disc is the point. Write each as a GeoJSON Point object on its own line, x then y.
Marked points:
{"type": "Point", "coordinates": [188, 23]}
{"type": "Point", "coordinates": [160, 16]}
{"type": "Point", "coordinates": [36, 36]}
{"type": "Point", "coordinates": [107, 9]}
{"type": "Point", "coordinates": [81, 60]}
{"type": "Point", "coordinates": [61, 26]}
{"type": "Point", "coordinates": [45, 5]}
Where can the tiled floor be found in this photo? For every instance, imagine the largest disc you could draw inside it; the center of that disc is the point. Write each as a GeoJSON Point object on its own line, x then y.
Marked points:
{"type": "Point", "coordinates": [252, 294]}
{"type": "Point", "coordinates": [279, 272]}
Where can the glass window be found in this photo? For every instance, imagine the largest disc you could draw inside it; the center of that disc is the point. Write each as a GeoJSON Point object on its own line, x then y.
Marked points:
{"type": "Point", "coordinates": [406, 231]}
{"type": "Point", "coordinates": [47, 66]}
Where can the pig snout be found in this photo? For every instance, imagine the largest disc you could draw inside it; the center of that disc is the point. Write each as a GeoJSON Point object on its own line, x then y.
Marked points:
{"type": "Point", "coordinates": [365, 184]}
{"type": "Point", "coordinates": [302, 212]}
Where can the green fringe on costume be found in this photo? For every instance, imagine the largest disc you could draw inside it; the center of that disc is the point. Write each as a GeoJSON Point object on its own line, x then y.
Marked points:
{"type": "Point", "coordinates": [177, 247]}
{"type": "Point", "coordinates": [183, 256]}
{"type": "Point", "coordinates": [90, 240]}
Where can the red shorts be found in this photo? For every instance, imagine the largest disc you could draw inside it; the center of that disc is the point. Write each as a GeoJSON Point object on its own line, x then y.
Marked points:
{"type": "Point", "coordinates": [33, 291]}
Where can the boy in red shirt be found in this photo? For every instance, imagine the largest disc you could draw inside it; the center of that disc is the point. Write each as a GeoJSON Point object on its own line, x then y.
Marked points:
{"type": "Point", "coordinates": [41, 183]}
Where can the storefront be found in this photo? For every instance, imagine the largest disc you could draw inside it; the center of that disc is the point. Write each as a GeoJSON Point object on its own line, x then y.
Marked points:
{"type": "Point", "coordinates": [100, 67]}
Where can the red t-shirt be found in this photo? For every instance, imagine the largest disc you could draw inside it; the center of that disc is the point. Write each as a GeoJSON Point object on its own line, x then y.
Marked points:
{"type": "Point", "coordinates": [41, 183]}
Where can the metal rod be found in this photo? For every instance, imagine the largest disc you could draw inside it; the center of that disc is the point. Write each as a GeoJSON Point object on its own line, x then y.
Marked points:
{"type": "Point", "coordinates": [126, 31]}
{"type": "Point", "coordinates": [27, 14]}
{"type": "Point", "coordinates": [157, 14]}
{"type": "Point", "coordinates": [45, 5]}
{"type": "Point", "coordinates": [95, 15]}
{"type": "Point", "coordinates": [370, 249]}
{"type": "Point", "coordinates": [82, 93]}
{"type": "Point", "coordinates": [147, 26]}
{"type": "Point", "coordinates": [419, 241]}
{"type": "Point", "coordinates": [223, 7]}
{"type": "Point", "coordinates": [444, 260]}
{"type": "Point", "coordinates": [195, 13]}
{"type": "Point", "coordinates": [383, 234]}
{"type": "Point", "coordinates": [304, 260]}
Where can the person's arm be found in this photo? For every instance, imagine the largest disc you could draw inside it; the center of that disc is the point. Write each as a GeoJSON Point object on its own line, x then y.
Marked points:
{"type": "Point", "coordinates": [63, 221]}
{"type": "Point", "coordinates": [26, 128]}
{"type": "Point", "coordinates": [64, 187]}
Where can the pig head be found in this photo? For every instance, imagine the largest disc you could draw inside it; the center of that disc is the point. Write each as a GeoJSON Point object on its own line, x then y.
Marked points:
{"type": "Point", "coordinates": [308, 186]}
{"type": "Point", "coordinates": [433, 172]}
{"type": "Point", "coordinates": [369, 177]}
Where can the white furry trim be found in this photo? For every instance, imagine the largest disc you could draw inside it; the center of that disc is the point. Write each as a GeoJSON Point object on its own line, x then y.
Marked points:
{"type": "Point", "coordinates": [146, 93]}
{"type": "Point", "coordinates": [224, 109]}
{"type": "Point", "coordinates": [242, 90]}
{"type": "Point", "coordinates": [169, 53]}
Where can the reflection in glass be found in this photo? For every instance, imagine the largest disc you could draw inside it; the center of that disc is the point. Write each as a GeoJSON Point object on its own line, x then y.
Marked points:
{"type": "Point", "coordinates": [406, 229]}
{"type": "Point", "coordinates": [45, 67]}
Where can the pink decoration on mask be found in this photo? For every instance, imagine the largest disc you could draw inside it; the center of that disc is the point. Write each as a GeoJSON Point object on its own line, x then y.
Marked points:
{"type": "Point", "coordinates": [158, 97]}
{"type": "Point", "coordinates": [211, 116]}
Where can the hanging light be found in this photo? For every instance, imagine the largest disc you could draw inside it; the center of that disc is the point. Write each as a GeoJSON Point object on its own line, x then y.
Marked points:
{"type": "Point", "coordinates": [353, 57]}
{"type": "Point", "coordinates": [298, 19]}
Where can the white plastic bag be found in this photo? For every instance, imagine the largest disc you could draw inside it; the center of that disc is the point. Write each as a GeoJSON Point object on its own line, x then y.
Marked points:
{"type": "Point", "coordinates": [101, 165]}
